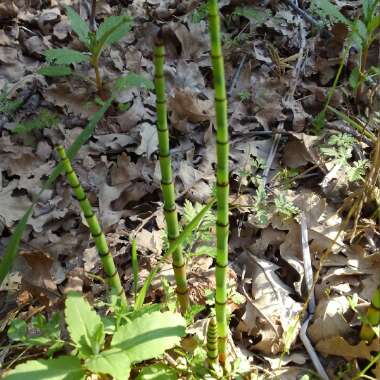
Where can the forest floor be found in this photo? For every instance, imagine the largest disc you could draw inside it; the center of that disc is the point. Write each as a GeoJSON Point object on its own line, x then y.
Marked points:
{"type": "Point", "coordinates": [293, 180]}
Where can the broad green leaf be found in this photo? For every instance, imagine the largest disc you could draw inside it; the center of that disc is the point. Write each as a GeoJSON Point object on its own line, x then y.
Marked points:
{"type": "Point", "coordinates": [65, 56]}
{"type": "Point", "coordinates": [113, 362]}
{"type": "Point", "coordinates": [259, 15]}
{"type": "Point", "coordinates": [354, 78]}
{"type": "Point", "coordinates": [14, 242]}
{"type": "Point", "coordinates": [113, 29]}
{"type": "Point", "coordinates": [157, 372]}
{"type": "Point", "coordinates": [55, 71]}
{"type": "Point", "coordinates": [148, 336]}
{"type": "Point", "coordinates": [190, 227]}
{"type": "Point", "coordinates": [18, 330]}
{"type": "Point", "coordinates": [62, 368]}
{"type": "Point", "coordinates": [132, 80]}
{"type": "Point", "coordinates": [79, 26]}
{"type": "Point", "coordinates": [85, 326]}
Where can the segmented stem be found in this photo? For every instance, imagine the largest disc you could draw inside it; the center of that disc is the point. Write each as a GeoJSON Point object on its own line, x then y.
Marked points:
{"type": "Point", "coordinates": [212, 346]}
{"type": "Point", "coordinates": [179, 265]}
{"type": "Point", "coordinates": [109, 267]}
{"type": "Point", "coordinates": [222, 178]}
{"type": "Point", "coordinates": [373, 318]}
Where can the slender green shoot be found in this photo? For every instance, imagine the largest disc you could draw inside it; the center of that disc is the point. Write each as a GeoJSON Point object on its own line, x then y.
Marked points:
{"type": "Point", "coordinates": [109, 267]}
{"type": "Point", "coordinates": [367, 331]}
{"type": "Point", "coordinates": [170, 210]}
{"type": "Point", "coordinates": [135, 266]}
{"type": "Point", "coordinates": [183, 236]}
{"type": "Point", "coordinates": [222, 178]}
{"type": "Point", "coordinates": [212, 343]}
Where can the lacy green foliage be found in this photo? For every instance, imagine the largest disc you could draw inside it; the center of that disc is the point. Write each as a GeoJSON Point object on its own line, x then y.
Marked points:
{"type": "Point", "coordinates": [8, 106]}
{"type": "Point", "coordinates": [199, 13]}
{"type": "Point", "coordinates": [339, 151]}
{"type": "Point", "coordinates": [255, 14]}
{"type": "Point", "coordinates": [45, 119]}
{"type": "Point", "coordinates": [285, 207]}
{"type": "Point", "coordinates": [145, 336]}
{"type": "Point", "coordinates": [328, 12]}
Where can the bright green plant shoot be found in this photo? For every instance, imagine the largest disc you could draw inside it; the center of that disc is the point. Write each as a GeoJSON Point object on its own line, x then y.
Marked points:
{"type": "Point", "coordinates": [179, 264]}
{"type": "Point", "coordinates": [94, 226]}
{"type": "Point", "coordinates": [222, 179]}
{"type": "Point", "coordinates": [109, 32]}
{"type": "Point", "coordinates": [212, 345]}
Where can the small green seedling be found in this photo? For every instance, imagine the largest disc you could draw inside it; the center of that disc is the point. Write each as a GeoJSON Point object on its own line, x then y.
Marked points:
{"type": "Point", "coordinates": [112, 30]}
{"type": "Point", "coordinates": [94, 346]}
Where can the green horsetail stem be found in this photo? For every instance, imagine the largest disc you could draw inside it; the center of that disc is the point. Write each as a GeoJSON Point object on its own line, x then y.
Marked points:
{"type": "Point", "coordinates": [212, 346]}
{"type": "Point", "coordinates": [222, 178]}
{"type": "Point", "coordinates": [170, 210]}
{"type": "Point", "coordinates": [97, 234]}
{"type": "Point", "coordinates": [373, 318]}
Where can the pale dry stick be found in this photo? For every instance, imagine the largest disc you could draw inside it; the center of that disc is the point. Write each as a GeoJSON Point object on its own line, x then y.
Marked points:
{"type": "Point", "coordinates": [311, 307]}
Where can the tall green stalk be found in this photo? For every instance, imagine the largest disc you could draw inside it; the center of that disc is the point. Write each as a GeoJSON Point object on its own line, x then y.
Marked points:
{"type": "Point", "coordinates": [222, 178]}
{"type": "Point", "coordinates": [170, 210]}
{"type": "Point", "coordinates": [109, 267]}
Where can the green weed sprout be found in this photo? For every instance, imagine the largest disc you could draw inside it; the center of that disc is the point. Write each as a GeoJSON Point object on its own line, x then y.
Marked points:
{"type": "Point", "coordinates": [112, 30]}
{"type": "Point", "coordinates": [94, 226]}
{"type": "Point", "coordinates": [146, 336]}
{"type": "Point", "coordinates": [222, 178]}
{"type": "Point", "coordinates": [372, 320]}
{"type": "Point", "coordinates": [179, 264]}
{"type": "Point", "coordinates": [212, 339]}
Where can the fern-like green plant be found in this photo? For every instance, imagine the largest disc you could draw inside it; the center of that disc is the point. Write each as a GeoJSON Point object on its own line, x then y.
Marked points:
{"type": "Point", "coordinates": [45, 119]}
{"type": "Point", "coordinates": [100, 347]}
{"type": "Point", "coordinates": [112, 30]}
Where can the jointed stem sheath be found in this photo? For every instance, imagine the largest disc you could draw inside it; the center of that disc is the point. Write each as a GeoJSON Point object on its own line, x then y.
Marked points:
{"type": "Point", "coordinates": [222, 178]}
{"type": "Point", "coordinates": [179, 264]}
{"type": "Point", "coordinates": [109, 267]}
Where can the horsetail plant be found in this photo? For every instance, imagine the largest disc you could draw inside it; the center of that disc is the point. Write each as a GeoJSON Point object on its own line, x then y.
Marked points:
{"type": "Point", "coordinates": [104, 252]}
{"type": "Point", "coordinates": [170, 210]}
{"type": "Point", "coordinates": [222, 179]}
{"type": "Point", "coordinates": [212, 343]}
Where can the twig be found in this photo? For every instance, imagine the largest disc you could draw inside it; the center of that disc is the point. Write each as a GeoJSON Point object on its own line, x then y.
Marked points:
{"type": "Point", "coordinates": [310, 350]}
{"type": "Point", "coordinates": [237, 75]}
{"type": "Point", "coordinates": [311, 20]}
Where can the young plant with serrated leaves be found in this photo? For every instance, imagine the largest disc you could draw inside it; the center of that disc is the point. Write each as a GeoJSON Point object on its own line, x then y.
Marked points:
{"type": "Point", "coordinates": [44, 119]}
{"type": "Point", "coordinates": [101, 351]}
{"type": "Point", "coordinates": [167, 185]}
{"type": "Point", "coordinates": [285, 207]}
{"type": "Point", "coordinates": [338, 151]}
{"type": "Point", "coordinates": [112, 30]}
{"type": "Point", "coordinates": [363, 32]}
{"type": "Point", "coordinates": [8, 106]}
{"type": "Point", "coordinates": [96, 231]}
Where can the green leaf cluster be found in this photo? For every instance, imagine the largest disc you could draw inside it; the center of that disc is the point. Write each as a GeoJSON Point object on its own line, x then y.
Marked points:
{"type": "Point", "coordinates": [112, 30]}
{"type": "Point", "coordinates": [45, 119]}
{"type": "Point", "coordinates": [145, 336]}
{"type": "Point", "coordinates": [8, 106]}
{"type": "Point", "coordinates": [255, 14]}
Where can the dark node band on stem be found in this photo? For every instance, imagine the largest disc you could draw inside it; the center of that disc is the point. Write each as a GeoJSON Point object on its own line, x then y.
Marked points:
{"type": "Point", "coordinates": [104, 254]}
{"type": "Point", "coordinates": [218, 224]}
{"type": "Point", "coordinates": [77, 186]}
{"type": "Point", "coordinates": [163, 130]}
{"type": "Point", "coordinates": [69, 172]}
{"type": "Point", "coordinates": [95, 236]}
{"type": "Point", "coordinates": [164, 156]}
{"type": "Point", "coordinates": [220, 303]}
{"type": "Point", "coordinates": [169, 210]}
{"type": "Point", "coordinates": [160, 101]}
{"type": "Point", "coordinates": [158, 76]}
{"type": "Point", "coordinates": [82, 199]}
{"type": "Point", "coordinates": [211, 356]}
{"type": "Point", "coordinates": [181, 292]}
{"type": "Point", "coordinates": [111, 275]}
{"type": "Point", "coordinates": [175, 266]}
{"type": "Point", "coordinates": [221, 266]}
{"type": "Point", "coordinates": [89, 216]}
{"type": "Point", "coordinates": [222, 142]}
{"type": "Point", "coordinates": [222, 184]}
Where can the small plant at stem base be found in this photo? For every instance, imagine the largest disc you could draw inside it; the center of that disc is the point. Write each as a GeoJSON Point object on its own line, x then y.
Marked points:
{"type": "Point", "coordinates": [222, 179]}
{"type": "Point", "coordinates": [170, 211]}
{"type": "Point", "coordinates": [94, 226]}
